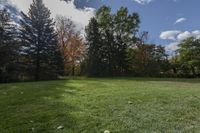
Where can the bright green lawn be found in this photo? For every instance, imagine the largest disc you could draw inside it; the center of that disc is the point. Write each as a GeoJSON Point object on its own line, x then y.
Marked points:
{"type": "Point", "coordinates": [96, 105]}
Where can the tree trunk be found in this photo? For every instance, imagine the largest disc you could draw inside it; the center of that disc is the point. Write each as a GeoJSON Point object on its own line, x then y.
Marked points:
{"type": "Point", "coordinates": [37, 69]}
{"type": "Point", "coordinates": [174, 70]}
{"type": "Point", "coordinates": [73, 68]}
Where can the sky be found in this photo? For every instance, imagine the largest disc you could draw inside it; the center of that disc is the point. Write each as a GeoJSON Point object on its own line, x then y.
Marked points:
{"type": "Point", "coordinates": [167, 21]}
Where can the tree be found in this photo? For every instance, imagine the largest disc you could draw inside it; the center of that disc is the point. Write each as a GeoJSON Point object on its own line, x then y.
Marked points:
{"type": "Point", "coordinates": [39, 41]}
{"type": "Point", "coordinates": [116, 34]}
{"type": "Point", "coordinates": [75, 51]}
{"type": "Point", "coordinates": [147, 59]}
{"type": "Point", "coordinates": [175, 64]}
{"type": "Point", "coordinates": [9, 48]}
{"type": "Point", "coordinates": [125, 28]}
{"type": "Point", "coordinates": [189, 51]}
{"type": "Point", "coordinates": [107, 47]}
{"type": "Point", "coordinates": [71, 44]}
{"type": "Point", "coordinates": [94, 49]}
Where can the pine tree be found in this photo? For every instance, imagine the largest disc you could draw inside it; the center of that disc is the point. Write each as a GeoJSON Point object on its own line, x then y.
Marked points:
{"type": "Point", "coordinates": [94, 49]}
{"type": "Point", "coordinates": [39, 41]}
{"type": "Point", "coordinates": [8, 48]}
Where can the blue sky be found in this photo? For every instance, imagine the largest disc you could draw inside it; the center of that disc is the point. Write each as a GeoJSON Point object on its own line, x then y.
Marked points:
{"type": "Point", "coordinates": [167, 21]}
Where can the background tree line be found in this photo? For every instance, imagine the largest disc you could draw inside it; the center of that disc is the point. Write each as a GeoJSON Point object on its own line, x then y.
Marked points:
{"type": "Point", "coordinates": [115, 47]}
{"type": "Point", "coordinates": [40, 48]}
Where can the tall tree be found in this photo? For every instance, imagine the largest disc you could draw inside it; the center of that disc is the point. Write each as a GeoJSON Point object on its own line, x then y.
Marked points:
{"type": "Point", "coordinates": [71, 44]}
{"type": "Point", "coordinates": [40, 47]}
{"type": "Point", "coordinates": [117, 32]}
{"type": "Point", "coordinates": [125, 28]}
{"type": "Point", "coordinates": [94, 49]}
{"type": "Point", "coordinates": [75, 51]}
{"type": "Point", "coordinates": [107, 53]}
{"type": "Point", "coordinates": [9, 48]}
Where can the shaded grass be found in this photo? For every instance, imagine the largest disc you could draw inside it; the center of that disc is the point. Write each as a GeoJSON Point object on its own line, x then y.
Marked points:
{"type": "Point", "coordinates": [91, 105]}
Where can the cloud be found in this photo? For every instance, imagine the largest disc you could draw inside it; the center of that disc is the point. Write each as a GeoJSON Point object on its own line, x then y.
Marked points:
{"type": "Point", "coordinates": [196, 33]}
{"type": "Point", "coordinates": [172, 46]}
{"type": "Point", "coordinates": [184, 35]}
{"type": "Point", "coordinates": [169, 35]}
{"type": "Point", "coordinates": [180, 20]}
{"type": "Point", "coordinates": [176, 37]}
{"type": "Point", "coordinates": [60, 7]}
{"type": "Point", "coordinates": [143, 1]}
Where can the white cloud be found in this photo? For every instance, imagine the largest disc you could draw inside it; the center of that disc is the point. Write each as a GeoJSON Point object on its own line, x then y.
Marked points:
{"type": "Point", "coordinates": [143, 1]}
{"type": "Point", "coordinates": [184, 35]}
{"type": "Point", "coordinates": [169, 35]}
{"type": "Point", "coordinates": [196, 33]}
{"type": "Point", "coordinates": [59, 7]}
{"type": "Point", "coordinates": [22, 5]}
{"type": "Point", "coordinates": [176, 37]}
{"type": "Point", "coordinates": [172, 46]}
{"type": "Point", "coordinates": [180, 20]}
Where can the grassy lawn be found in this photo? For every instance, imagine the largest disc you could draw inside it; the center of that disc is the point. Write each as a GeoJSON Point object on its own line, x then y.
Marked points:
{"type": "Point", "coordinates": [120, 105]}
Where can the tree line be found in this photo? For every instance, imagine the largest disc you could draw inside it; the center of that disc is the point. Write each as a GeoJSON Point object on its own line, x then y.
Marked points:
{"type": "Point", "coordinates": [114, 47]}
{"type": "Point", "coordinates": [41, 48]}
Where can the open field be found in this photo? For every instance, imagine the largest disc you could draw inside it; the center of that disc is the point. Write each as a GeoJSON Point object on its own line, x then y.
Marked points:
{"type": "Point", "coordinates": [90, 105]}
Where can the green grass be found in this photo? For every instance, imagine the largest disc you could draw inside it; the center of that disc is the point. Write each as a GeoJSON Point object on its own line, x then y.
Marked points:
{"type": "Point", "coordinates": [94, 105]}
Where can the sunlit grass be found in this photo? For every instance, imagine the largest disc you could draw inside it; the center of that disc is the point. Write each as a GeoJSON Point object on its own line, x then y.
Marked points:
{"type": "Point", "coordinates": [90, 105]}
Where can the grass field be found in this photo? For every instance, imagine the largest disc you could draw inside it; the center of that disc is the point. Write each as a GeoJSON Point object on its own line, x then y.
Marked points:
{"type": "Point", "coordinates": [84, 105]}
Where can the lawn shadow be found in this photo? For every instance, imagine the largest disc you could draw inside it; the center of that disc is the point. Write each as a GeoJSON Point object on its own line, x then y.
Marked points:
{"type": "Point", "coordinates": [36, 107]}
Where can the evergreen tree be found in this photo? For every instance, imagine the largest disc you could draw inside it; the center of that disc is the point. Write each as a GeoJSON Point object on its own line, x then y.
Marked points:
{"type": "Point", "coordinates": [94, 49]}
{"type": "Point", "coordinates": [8, 48]}
{"type": "Point", "coordinates": [39, 40]}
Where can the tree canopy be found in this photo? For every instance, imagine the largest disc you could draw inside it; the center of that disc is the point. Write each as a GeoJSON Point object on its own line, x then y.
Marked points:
{"type": "Point", "coordinates": [39, 41]}
{"type": "Point", "coordinates": [42, 48]}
